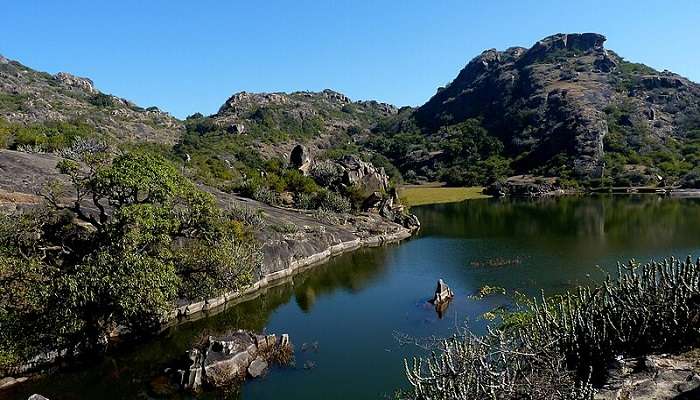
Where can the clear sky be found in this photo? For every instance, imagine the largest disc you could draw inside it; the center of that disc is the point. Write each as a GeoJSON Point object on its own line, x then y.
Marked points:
{"type": "Point", "coordinates": [189, 56]}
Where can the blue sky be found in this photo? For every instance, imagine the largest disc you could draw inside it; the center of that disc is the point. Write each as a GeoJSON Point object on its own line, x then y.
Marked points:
{"type": "Point", "coordinates": [189, 56]}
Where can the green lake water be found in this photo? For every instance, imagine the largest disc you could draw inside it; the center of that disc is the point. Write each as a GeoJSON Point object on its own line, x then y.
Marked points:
{"type": "Point", "coordinates": [351, 310]}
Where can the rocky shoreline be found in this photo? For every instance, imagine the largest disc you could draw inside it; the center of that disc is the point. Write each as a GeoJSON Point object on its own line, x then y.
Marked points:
{"type": "Point", "coordinates": [204, 308]}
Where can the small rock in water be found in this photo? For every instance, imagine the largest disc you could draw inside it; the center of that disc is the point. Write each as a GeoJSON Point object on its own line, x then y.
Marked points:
{"type": "Point", "coordinates": [309, 365]}
{"type": "Point", "coordinates": [442, 293]}
{"type": "Point", "coordinates": [257, 367]}
{"type": "Point", "coordinates": [37, 397]}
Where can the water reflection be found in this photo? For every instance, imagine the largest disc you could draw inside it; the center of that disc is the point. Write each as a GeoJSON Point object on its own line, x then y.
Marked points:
{"type": "Point", "coordinates": [581, 225]}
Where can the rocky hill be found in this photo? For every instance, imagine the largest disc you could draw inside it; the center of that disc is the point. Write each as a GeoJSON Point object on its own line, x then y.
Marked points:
{"type": "Point", "coordinates": [565, 107]}
{"type": "Point", "coordinates": [252, 130]}
{"type": "Point", "coordinates": [279, 121]}
{"type": "Point", "coordinates": [32, 98]}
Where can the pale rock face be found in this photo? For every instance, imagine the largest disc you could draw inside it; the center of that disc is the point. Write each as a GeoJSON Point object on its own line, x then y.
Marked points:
{"type": "Point", "coordinates": [83, 84]}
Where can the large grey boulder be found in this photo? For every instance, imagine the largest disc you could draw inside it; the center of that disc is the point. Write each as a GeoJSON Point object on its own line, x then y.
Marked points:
{"type": "Point", "coordinates": [363, 175]}
{"type": "Point", "coordinates": [257, 367]}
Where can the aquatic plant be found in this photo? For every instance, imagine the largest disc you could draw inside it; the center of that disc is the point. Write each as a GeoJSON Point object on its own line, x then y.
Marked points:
{"type": "Point", "coordinates": [563, 345]}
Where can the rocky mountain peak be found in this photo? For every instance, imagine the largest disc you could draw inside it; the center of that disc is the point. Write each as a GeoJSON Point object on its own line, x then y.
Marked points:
{"type": "Point", "coordinates": [244, 100]}
{"type": "Point", "coordinates": [3, 60]}
{"type": "Point", "coordinates": [574, 41]}
{"type": "Point", "coordinates": [570, 105]}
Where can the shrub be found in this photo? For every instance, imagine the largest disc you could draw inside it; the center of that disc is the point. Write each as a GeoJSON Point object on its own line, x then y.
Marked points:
{"type": "Point", "coordinates": [266, 195]}
{"type": "Point", "coordinates": [332, 201]}
{"type": "Point", "coordinates": [102, 100]}
{"type": "Point", "coordinates": [248, 215]}
{"type": "Point", "coordinates": [692, 179]}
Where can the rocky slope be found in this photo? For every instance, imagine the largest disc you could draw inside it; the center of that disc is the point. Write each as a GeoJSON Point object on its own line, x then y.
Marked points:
{"type": "Point", "coordinates": [32, 97]}
{"type": "Point", "coordinates": [274, 123]}
{"type": "Point", "coordinates": [567, 106]}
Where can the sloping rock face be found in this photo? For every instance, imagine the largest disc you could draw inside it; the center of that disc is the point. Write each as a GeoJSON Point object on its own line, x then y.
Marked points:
{"type": "Point", "coordinates": [659, 377]}
{"type": "Point", "coordinates": [28, 97]}
{"type": "Point", "coordinates": [554, 104]}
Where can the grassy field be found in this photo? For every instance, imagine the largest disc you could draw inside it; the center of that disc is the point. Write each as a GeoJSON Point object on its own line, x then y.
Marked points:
{"type": "Point", "coordinates": [417, 195]}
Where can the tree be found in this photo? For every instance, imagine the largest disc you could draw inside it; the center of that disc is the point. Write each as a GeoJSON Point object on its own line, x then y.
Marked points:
{"type": "Point", "coordinates": [115, 256]}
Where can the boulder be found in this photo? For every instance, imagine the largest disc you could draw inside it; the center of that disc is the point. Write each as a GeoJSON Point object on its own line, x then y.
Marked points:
{"type": "Point", "coordinates": [257, 367]}
{"type": "Point", "coordinates": [442, 293]}
{"type": "Point", "coordinates": [236, 128]}
{"type": "Point", "coordinates": [300, 159]}
{"type": "Point", "coordinates": [363, 175]}
{"type": "Point", "coordinates": [286, 198]}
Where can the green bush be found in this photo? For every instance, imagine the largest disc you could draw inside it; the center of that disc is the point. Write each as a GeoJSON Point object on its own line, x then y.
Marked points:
{"type": "Point", "coordinates": [102, 100]}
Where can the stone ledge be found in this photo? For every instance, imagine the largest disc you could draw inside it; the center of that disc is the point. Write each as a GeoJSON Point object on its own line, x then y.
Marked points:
{"type": "Point", "coordinates": [188, 312]}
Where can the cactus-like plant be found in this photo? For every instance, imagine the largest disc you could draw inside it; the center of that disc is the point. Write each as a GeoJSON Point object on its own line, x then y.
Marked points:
{"type": "Point", "coordinates": [565, 344]}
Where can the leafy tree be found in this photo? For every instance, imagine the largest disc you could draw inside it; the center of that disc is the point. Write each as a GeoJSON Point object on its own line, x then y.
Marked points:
{"type": "Point", "coordinates": [130, 242]}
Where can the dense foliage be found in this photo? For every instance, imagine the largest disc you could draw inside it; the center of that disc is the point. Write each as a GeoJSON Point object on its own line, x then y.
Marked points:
{"type": "Point", "coordinates": [462, 154]}
{"type": "Point", "coordinates": [42, 137]}
{"type": "Point", "coordinates": [136, 236]}
{"type": "Point", "coordinates": [559, 346]}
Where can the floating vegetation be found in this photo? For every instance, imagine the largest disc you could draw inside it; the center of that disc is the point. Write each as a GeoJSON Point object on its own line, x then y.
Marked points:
{"type": "Point", "coordinates": [486, 291]}
{"type": "Point", "coordinates": [497, 262]}
{"type": "Point", "coordinates": [561, 347]}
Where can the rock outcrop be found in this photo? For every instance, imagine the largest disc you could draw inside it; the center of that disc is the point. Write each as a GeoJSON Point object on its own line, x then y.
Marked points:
{"type": "Point", "coordinates": [83, 84]}
{"type": "Point", "coordinates": [227, 360]}
{"type": "Point", "coordinates": [443, 293]}
{"type": "Point", "coordinates": [363, 175]}
{"type": "Point", "coordinates": [300, 159]}
{"type": "Point", "coordinates": [659, 377]}
{"type": "Point", "coordinates": [525, 186]}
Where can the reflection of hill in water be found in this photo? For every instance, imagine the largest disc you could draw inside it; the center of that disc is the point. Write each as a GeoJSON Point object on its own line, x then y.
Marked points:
{"type": "Point", "coordinates": [351, 272]}
{"type": "Point", "coordinates": [613, 222]}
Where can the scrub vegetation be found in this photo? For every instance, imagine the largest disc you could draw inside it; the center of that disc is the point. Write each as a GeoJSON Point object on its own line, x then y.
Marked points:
{"type": "Point", "coordinates": [560, 347]}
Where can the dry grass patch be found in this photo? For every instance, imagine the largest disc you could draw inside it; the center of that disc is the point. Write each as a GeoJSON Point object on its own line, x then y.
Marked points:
{"type": "Point", "coordinates": [433, 194]}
